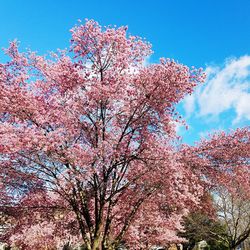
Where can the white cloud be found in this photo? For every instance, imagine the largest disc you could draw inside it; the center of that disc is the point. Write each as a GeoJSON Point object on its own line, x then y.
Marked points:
{"type": "Point", "coordinates": [226, 88]}
{"type": "Point", "coordinates": [189, 104]}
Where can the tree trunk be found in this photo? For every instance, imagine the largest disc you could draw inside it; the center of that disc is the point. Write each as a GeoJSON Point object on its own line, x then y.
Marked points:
{"type": "Point", "coordinates": [96, 245]}
{"type": "Point", "coordinates": [233, 248]}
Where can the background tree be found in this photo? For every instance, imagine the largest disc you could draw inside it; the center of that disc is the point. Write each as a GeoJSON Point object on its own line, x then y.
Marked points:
{"type": "Point", "coordinates": [234, 212]}
{"type": "Point", "coordinates": [224, 163]}
{"type": "Point", "coordinates": [199, 226]}
{"type": "Point", "coordinates": [89, 132]}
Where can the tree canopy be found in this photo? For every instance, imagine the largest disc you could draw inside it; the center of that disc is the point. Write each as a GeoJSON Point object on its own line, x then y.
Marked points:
{"type": "Point", "coordinates": [88, 145]}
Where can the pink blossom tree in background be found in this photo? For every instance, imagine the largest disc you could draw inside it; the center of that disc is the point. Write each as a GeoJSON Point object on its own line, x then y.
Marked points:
{"type": "Point", "coordinates": [224, 162]}
{"type": "Point", "coordinates": [88, 145]}
{"type": "Point", "coordinates": [223, 159]}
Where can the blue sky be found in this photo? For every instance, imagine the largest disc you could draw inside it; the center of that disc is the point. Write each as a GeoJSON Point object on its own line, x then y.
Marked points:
{"type": "Point", "coordinates": [211, 34]}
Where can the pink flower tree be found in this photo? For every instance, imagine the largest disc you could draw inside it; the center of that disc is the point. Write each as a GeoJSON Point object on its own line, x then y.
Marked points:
{"type": "Point", "coordinates": [87, 143]}
{"type": "Point", "coordinates": [223, 161]}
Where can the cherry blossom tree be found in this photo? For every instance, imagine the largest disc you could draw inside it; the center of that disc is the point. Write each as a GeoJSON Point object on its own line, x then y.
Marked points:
{"type": "Point", "coordinates": [223, 161]}
{"type": "Point", "coordinates": [88, 143]}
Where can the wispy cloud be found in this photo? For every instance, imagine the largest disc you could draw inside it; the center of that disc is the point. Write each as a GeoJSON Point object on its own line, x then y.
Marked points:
{"type": "Point", "coordinates": [227, 88]}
